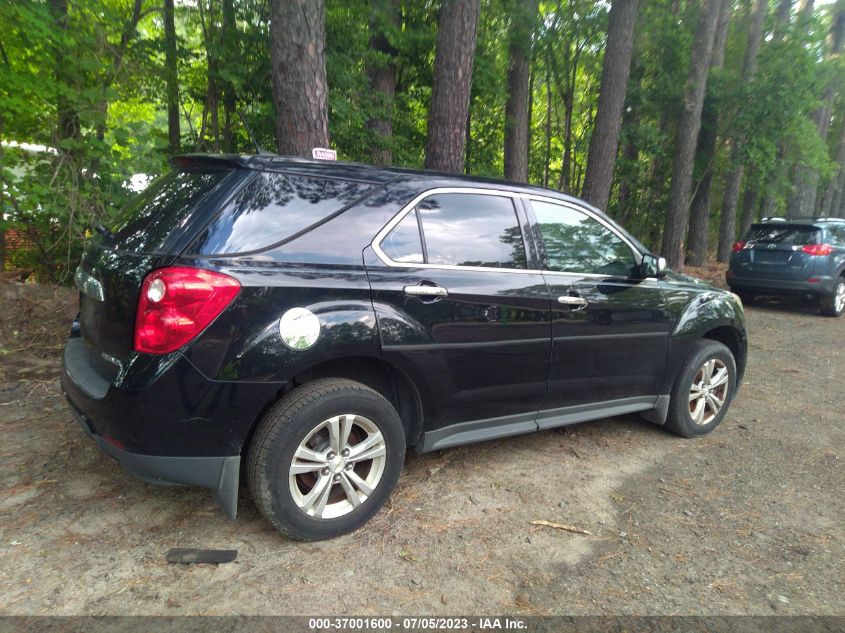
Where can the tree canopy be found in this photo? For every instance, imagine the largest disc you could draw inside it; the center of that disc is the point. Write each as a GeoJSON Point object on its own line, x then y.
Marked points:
{"type": "Point", "coordinates": [94, 94]}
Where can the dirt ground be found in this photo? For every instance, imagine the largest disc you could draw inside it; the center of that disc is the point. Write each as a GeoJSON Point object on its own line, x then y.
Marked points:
{"type": "Point", "coordinates": [748, 520]}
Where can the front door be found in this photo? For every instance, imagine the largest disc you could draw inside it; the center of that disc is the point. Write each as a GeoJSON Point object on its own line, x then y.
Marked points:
{"type": "Point", "coordinates": [610, 327]}
{"type": "Point", "coordinates": [459, 311]}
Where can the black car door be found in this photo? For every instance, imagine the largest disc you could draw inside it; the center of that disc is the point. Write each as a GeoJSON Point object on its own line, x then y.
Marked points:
{"type": "Point", "coordinates": [459, 311]}
{"type": "Point", "coordinates": [610, 326]}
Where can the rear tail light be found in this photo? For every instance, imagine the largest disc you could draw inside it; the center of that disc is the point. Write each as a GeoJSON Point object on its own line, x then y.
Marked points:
{"type": "Point", "coordinates": [177, 303]}
{"type": "Point", "coordinates": [738, 246]}
{"type": "Point", "coordinates": [817, 249]}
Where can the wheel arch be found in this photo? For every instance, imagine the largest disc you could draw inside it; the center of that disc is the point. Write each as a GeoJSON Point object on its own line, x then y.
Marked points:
{"type": "Point", "coordinates": [733, 339]}
{"type": "Point", "coordinates": [373, 372]}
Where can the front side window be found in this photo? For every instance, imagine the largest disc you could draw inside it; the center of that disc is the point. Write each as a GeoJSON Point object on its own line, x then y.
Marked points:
{"type": "Point", "coordinates": [465, 229]}
{"type": "Point", "coordinates": [578, 243]}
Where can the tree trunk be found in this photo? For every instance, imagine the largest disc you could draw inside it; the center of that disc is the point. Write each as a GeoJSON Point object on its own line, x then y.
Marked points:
{"type": "Point", "coordinates": [565, 180]}
{"type": "Point", "coordinates": [833, 194]}
{"type": "Point", "coordinates": [678, 210]}
{"type": "Point", "coordinates": [67, 117]}
{"type": "Point", "coordinates": [806, 182]}
{"type": "Point", "coordinates": [568, 92]}
{"type": "Point", "coordinates": [385, 15]}
{"type": "Point", "coordinates": [749, 202]}
{"type": "Point", "coordinates": [548, 153]}
{"type": "Point", "coordinates": [614, 83]}
{"type": "Point", "coordinates": [727, 223]}
{"type": "Point", "coordinates": [453, 61]}
{"type": "Point", "coordinates": [698, 238]}
{"type": "Point", "coordinates": [171, 78]}
{"type": "Point", "coordinates": [770, 198]}
{"type": "Point", "coordinates": [230, 40]}
{"type": "Point", "coordinates": [468, 141]}
{"type": "Point", "coordinates": [300, 90]}
{"type": "Point", "coordinates": [516, 108]}
{"type": "Point", "coordinates": [770, 195]}
{"type": "Point", "coordinates": [784, 10]}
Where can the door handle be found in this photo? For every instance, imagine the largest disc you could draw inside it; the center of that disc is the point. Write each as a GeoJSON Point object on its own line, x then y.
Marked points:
{"type": "Point", "coordinates": [425, 291]}
{"type": "Point", "coordinates": [578, 302]}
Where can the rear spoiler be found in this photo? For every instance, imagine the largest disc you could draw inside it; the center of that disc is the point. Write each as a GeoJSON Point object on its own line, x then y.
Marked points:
{"type": "Point", "coordinates": [188, 162]}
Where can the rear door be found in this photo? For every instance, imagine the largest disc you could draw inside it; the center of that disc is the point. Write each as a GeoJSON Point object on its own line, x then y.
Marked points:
{"type": "Point", "coordinates": [774, 251]}
{"type": "Point", "coordinates": [459, 310]}
{"type": "Point", "coordinates": [610, 327]}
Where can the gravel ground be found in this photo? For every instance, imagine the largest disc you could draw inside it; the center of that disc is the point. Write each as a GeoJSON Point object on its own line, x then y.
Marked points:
{"type": "Point", "coordinates": [748, 520]}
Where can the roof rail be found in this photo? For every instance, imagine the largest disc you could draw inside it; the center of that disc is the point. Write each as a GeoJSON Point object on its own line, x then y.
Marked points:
{"type": "Point", "coordinates": [773, 219]}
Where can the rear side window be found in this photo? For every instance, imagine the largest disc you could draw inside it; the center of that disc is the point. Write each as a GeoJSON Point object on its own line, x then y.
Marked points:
{"type": "Point", "coordinates": [837, 235]}
{"type": "Point", "coordinates": [272, 208]}
{"type": "Point", "coordinates": [163, 208]}
{"type": "Point", "coordinates": [462, 229]}
{"type": "Point", "coordinates": [403, 243]}
{"type": "Point", "coordinates": [783, 235]}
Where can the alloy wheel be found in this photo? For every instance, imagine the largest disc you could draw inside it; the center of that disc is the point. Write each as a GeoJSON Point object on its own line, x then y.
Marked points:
{"type": "Point", "coordinates": [839, 297]}
{"type": "Point", "coordinates": [708, 391]}
{"type": "Point", "coordinates": [338, 466]}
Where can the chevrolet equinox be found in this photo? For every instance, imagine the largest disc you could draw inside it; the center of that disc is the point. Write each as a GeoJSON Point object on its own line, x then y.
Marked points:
{"type": "Point", "coordinates": [303, 322]}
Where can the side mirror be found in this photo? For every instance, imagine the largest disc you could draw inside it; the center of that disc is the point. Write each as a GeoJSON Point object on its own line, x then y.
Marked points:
{"type": "Point", "coordinates": [653, 266]}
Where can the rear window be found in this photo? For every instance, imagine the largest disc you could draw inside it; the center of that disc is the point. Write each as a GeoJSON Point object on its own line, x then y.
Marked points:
{"type": "Point", "coordinates": [146, 222]}
{"type": "Point", "coordinates": [784, 235]}
{"type": "Point", "coordinates": [272, 208]}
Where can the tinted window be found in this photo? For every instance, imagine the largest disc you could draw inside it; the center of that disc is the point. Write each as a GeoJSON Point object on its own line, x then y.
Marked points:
{"type": "Point", "coordinates": [784, 235]}
{"type": "Point", "coordinates": [161, 209]}
{"type": "Point", "coordinates": [472, 230]}
{"type": "Point", "coordinates": [837, 235]}
{"type": "Point", "coordinates": [272, 208]}
{"type": "Point", "coordinates": [577, 243]}
{"type": "Point", "coordinates": [403, 244]}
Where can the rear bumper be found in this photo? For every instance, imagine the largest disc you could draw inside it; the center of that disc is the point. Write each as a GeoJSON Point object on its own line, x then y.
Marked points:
{"type": "Point", "coordinates": [177, 428]}
{"type": "Point", "coordinates": [824, 285]}
{"type": "Point", "coordinates": [220, 474]}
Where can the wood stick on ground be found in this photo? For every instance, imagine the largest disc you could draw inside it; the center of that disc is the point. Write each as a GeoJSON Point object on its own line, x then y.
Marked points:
{"type": "Point", "coordinates": [563, 526]}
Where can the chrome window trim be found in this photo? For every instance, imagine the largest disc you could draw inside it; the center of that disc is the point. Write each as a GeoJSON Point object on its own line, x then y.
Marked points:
{"type": "Point", "coordinates": [376, 243]}
{"type": "Point", "coordinates": [404, 211]}
{"type": "Point", "coordinates": [638, 256]}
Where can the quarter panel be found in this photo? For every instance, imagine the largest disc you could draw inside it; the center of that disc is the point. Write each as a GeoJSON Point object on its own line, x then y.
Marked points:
{"type": "Point", "coordinates": [245, 344]}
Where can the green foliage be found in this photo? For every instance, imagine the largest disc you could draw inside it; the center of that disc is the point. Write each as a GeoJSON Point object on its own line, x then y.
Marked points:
{"type": "Point", "coordinates": [90, 86]}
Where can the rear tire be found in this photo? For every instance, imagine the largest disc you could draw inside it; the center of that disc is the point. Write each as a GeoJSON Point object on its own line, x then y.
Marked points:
{"type": "Point", "coordinates": [706, 379]}
{"type": "Point", "coordinates": [833, 305]}
{"type": "Point", "coordinates": [325, 458]}
{"type": "Point", "coordinates": [746, 297]}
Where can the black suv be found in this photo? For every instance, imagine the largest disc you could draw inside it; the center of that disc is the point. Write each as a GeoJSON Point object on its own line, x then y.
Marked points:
{"type": "Point", "coordinates": [792, 257]}
{"type": "Point", "coordinates": [306, 321]}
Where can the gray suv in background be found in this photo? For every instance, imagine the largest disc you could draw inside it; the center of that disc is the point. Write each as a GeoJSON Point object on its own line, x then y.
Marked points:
{"type": "Point", "coordinates": [800, 256]}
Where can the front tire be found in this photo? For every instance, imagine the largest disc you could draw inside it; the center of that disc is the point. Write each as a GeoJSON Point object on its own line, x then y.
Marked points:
{"type": "Point", "coordinates": [833, 305]}
{"type": "Point", "coordinates": [746, 296]}
{"type": "Point", "coordinates": [703, 391]}
{"type": "Point", "coordinates": [325, 458]}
